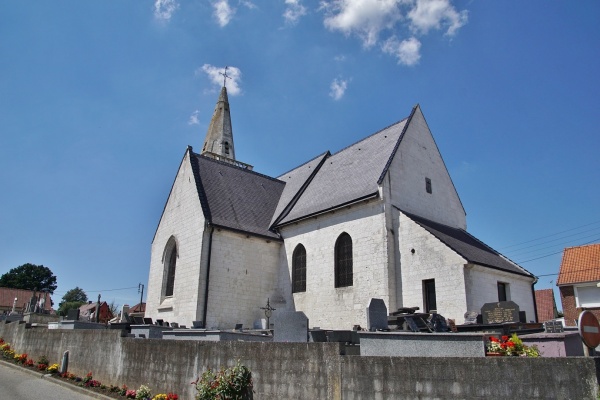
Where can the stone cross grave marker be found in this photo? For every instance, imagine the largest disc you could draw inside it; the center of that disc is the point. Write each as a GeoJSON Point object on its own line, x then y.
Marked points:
{"type": "Point", "coordinates": [377, 315]}
{"type": "Point", "coordinates": [500, 312]}
{"type": "Point", "coordinates": [290, 326]}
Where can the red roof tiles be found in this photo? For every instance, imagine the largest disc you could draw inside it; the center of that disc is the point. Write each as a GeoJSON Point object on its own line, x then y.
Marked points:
{"type": "Point", "coordinates": [580, 264]}
{"type": "Point", "coordinates": [545, 305]}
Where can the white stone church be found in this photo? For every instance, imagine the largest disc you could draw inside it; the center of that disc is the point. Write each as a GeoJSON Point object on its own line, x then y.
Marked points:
{"type": "Point", "coordinates": [379, 219]}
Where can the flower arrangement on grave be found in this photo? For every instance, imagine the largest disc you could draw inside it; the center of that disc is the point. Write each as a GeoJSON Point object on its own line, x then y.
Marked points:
{"type": "Point", "coordinates": [130, 394]}
{"type": "Point", "coordinates": [168, 396]}
{"type": "Point", "coordinates": [42, 363]}
{"type": "Point", "coordinates": [511, 346]}
{"type": "Point", "coordinates": [53, 368]}
{"type": "Point", "coordinates": [20, 358]}
{"type": "Point", "coordinates": [143, 393]}
{"type": "Point", "coordinates": [230, 383]}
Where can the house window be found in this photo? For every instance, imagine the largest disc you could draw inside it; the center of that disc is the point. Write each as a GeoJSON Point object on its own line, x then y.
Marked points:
{"type": "Point", "coordinates": [503, 292]}
{"type": "Point", "coordinates": [429, 301]}
{"type": "Point", "coordinates": [587, 296]}
{"type": "Point", "coordinates": [170, 266]}
{"type": "Point", "coordinates": [343, 260]}
{"type": "Point", "coordinates": [428, 185]}
{"type": "Point", "coordinates": [299, 269]}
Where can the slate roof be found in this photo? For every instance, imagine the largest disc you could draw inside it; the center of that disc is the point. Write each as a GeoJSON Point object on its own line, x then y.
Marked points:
{"type": "Point", "coordinates": [580, 264]}
{"type": "Point", "coordinates": [347, 176]}
{"type": "Point", "coordinates": [469, 247]}
{"type": "Point", "coordinates": [545, 305]}
{"type": "Point", "coordinates": [295, 180]}
{"type": "Point", "coordinates": [236, 198]}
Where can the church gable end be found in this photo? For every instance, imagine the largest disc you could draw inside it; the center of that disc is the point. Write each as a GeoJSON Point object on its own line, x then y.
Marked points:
{"type": "Point", "coordinates": [417, 179]}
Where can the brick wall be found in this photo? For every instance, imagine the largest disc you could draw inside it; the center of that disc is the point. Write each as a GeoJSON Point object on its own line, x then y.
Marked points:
{"type": "Point", "coordinates": [570, 310]}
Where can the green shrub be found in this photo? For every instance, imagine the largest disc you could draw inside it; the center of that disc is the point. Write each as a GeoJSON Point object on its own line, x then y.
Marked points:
{"type": "Point", "coordinates": [233, 383]}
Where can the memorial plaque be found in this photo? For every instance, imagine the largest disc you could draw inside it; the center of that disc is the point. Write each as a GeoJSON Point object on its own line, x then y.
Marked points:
{"type": "Point", "coordinates": [377, 315]}
{"type": "Point", "coordinates": [500, 312]}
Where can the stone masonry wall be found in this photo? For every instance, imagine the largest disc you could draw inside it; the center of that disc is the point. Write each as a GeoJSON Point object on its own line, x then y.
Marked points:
{"type": "Point", "coordinates": [325, 305]}
{"type": "Point", "coordinates": [418, 158]}
{"type": "Point", "coordinates": [431, 259]}
{"type": "Point", "coordinates": [481, 284]}
{"type": "Point", "coordinates": [307, 370]}
{"type": "Point", "coordinates": [243, 275]}
{"type": "Point", "coordinates": [183, 220]}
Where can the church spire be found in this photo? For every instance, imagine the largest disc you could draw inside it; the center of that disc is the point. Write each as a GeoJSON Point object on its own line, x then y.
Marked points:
{"type": "Point", "coordinates": [219, 137]}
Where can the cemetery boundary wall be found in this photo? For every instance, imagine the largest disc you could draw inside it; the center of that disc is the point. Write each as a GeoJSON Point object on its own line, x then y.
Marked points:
{"type": "Point", "coordinates": [306, 370]}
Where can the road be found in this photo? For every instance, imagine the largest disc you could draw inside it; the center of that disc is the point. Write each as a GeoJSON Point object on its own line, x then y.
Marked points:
{"type": "Point", "coordinates": [19, 384]}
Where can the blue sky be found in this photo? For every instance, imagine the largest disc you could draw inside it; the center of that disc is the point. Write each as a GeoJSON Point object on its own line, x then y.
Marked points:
{"type": "Point", "coordinates": [99, 99]}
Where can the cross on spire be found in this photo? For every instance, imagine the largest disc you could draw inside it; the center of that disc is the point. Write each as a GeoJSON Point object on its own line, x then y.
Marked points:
{"type": "Point", "coordinates": [225, 76]}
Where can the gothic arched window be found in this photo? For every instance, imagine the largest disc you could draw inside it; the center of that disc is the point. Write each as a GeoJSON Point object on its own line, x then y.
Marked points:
{"type": "Point", "coordinates": [343, 260]}
{"type": "Point", "coordinates": [299, 269]}
{"type": "Point", "coordinates": [170, 265]}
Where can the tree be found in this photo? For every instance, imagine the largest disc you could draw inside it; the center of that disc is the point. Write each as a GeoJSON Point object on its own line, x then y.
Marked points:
{"type": "Point", "coordinates": [113, 307]}
{"type": "Point", "coordinates": [30, 277]}
{"type": "Point", "coordinates": [73, 299]}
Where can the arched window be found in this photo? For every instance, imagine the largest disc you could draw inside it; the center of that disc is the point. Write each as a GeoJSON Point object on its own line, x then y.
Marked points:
{"type": "Point", "coordinates": [170, 261]}
{"type": "Point", "coordinates": [226, 147]}
{"type": "Point", "coordinates": [343, 260]}
{"type": "Point", "coordinates": [299, 269]}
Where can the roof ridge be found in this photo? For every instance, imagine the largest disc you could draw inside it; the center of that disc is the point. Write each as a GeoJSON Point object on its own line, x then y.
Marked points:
{"type": "Point", "coordinates": [229, 165]}
{"type": "Point", "coordinates": [393, 153]}
{"type": "Point", "coordinates": [303, 164]}
{"type": "Point", "coordinates": [368, 137]}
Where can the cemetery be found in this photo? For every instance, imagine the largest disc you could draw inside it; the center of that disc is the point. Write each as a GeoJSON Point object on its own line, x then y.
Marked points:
{"type": "Point", "coordinates": [425, 358]}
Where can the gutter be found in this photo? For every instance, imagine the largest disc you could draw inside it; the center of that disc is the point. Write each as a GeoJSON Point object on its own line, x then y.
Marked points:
{"type": "Point", "coordinates": [205, 312]}
{"type": "Point", "coordinates": [535, 279]}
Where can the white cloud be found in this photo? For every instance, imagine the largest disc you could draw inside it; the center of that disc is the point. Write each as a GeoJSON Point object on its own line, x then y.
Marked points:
{"type": "Point", "coordinates": [294, 11]}
{"type": "Point", "coordinates": [338, 88]}
{"type": "Point", "coordinates": [407, 51]}
{"type": "Point", "coordinates": [215, 75]}
{"type": "Point", "coordinates": [374, 20]}
{"type": "Point", "coordinates": [194, 118]}
{"type": "Point", "coordinates": [365, 18]}
{"type": "Point", "coordinates": [164, 9]}
{"type": "Point", "coordinates": [248, 4]}
{"type": "Point", "coordinates": [223, 12]}
{"type": "Point", "coordinates": [433, 14]}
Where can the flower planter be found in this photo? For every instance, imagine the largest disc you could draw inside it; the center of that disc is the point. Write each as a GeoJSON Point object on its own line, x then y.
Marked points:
{"type": "Point", "coordinates": [493, 354]}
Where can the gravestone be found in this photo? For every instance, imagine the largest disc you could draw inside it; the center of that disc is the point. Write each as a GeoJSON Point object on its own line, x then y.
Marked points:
{"type": "Point", "coordinates": [500, 312]}
{"type": "Point", "coordinates": [124, 313]}
{"type": "Point", "coordinates": [73, 315]}
{"type": "Point", "coordinates": [138, 320]}
{"type": "Point", "coordinates": [377, 315]}
{"type": "Point", "coordinates": [147, 321]}
{"type": "Point", "coordinates": [290, 326]}
{"type": "Point", "coordinates": [554, 327]}
{"type": "Point", "coordinates": [471, 317]}
{"type": "Point", "coordinates": [197, 324]}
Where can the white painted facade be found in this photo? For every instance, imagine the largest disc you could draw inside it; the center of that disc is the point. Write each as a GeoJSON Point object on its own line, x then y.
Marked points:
{"type": "Point", "coordinates": [325, 305]}
{"type": "Point", "coordinates": [243, 275]}
{"type": "Point", "coordinates": [182, 220]}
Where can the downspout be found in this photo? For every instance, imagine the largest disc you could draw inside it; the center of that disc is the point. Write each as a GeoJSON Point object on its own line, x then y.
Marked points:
{"type": "Point", "coordinates": [205, 312]}
{"type": "Point", "coordinates": [535, 279]}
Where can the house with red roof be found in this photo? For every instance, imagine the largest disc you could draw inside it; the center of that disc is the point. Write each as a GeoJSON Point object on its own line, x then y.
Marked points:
{"type": "Point", "coordinates": [579, 280]}
{"type": "Point", "coordinates": [23, 297]}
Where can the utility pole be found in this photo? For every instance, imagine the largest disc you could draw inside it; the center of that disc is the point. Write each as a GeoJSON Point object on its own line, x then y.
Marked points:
{"type": "Point", "coordinates": [141, 290]}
